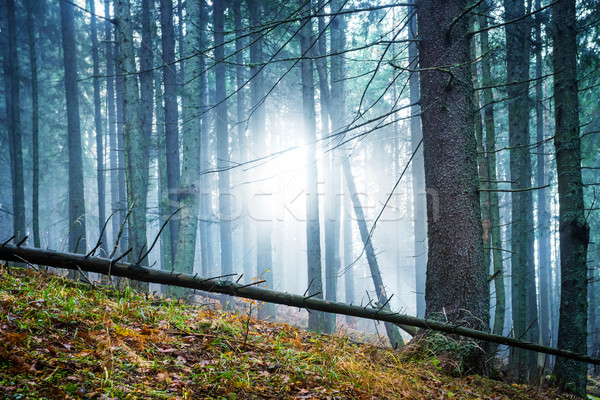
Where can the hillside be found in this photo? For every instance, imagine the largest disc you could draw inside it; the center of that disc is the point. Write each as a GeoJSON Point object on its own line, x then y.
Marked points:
{"type": "Point", "coordinates": [66, 340]}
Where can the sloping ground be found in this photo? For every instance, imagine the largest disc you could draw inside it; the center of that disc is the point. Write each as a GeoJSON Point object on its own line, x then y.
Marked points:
{"type": "Point", "coordinates": [65, 340]}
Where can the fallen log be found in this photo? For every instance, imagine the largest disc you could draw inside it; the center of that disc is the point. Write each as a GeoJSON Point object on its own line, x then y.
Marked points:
{"type": "Point", "coordinates": [106, 266]}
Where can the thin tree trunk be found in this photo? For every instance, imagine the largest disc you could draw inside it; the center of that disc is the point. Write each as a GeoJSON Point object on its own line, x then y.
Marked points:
{"type": "Point", "coordinates": [264, 256]}
{"type": "Point", "coordinates": [163, 186]}
{"type": "Point", "coordinates": [418, 172]}
{"type": "Point", "coordinates": [188, 185]}
{"type": "Point", "coordinates": [574, 230]}
{"type": "Point", "coordinates": [222, 129]}
{"type": "Point", "coordinates": [134, 144]}
{"type": "Point", "coordinates": [543, 216]}
{"type": "Point", "coordinates": [316, 321]}
{"type": "Point", "coordinates": [77, 234]}
{"type": "Point", "coordinates": [14, 123]}
{"type": "Point", "coordinates": [490, 150]}
{"type": "Point", "coordinates": [100, 168]}
{"type": "Point", "coordinates": [524, 301]}
{"type": "Point", "coordinates": [123, 201]}
{"type": "Point", "coordinates": [112, 133]}
{"type": "Point", "coordinates": [34, 123]}
{"type": "Point", "coordinates": [170, 111]}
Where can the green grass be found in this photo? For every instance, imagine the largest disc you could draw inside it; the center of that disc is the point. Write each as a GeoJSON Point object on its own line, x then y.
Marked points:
{"type": "Point", "coordinates": [67, 340]}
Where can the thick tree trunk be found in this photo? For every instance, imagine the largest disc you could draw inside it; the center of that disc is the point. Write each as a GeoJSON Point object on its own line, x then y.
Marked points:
{"type": "Point", "coordinates": [170, 111]}
{"type": "Point", "coordinates": [100, 168]}
{"type": "Point", "coordinates": [524, 301]}
{"type": "Point", "coordinates": [574, 230]}
{"type": "Point", "coordinates": [35, 129]}
{"type": "Point", "coordinates": [163, 186]}
{"type": "Point", "coordinates": [456, 286]}
{"type": "Point", "coordinates": [135, 146]}
{"type": "Point", "coordinates": [77, 234]}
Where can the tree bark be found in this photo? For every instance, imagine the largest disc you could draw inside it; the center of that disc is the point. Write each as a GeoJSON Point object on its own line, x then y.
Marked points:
{"type": "Point", "coordinates": [574, 230]}
{"type": "Point", "coordinates": [135, 146]}
{"type": "Point", "coordinates": [456, 286]}
{"type": "Point", "coordinates": [100, 168]}
{"type": "Point", "coordinates": [188, 185]}
{"type": "Point", "coordinates": [316, 321]}
{"type": "Point", "coordinates": [35, 129]}
{"type": "Point", "coordinates": [490, 152]}
{"type": "Point", "coordinates": [170, 111]}
{"type": "Point", "coordinates": [77, 234]}
{"type": "Point", "coordinates": [222, 128]}
{"type": "Point", "coordinates": [524, 301]}
{"type": "Point", "coordinates": [418, 172]}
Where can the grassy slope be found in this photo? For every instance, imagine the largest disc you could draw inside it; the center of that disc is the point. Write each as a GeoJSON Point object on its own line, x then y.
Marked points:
{"type": "Point", "coordinates": [64, 340]}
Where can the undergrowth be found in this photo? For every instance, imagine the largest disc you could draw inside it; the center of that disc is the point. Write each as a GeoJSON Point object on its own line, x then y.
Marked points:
{"type": "Point", "coordinates": [68, 340]}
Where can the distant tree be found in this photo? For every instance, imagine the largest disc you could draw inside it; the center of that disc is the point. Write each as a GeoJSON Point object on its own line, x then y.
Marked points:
{"type": "Point", "coordinates": [77, 234]}
{"type": "Point", "coordinates": [574, 229]}
{"type": "Point", "coordinates": [264, 252]}
{"type": "Point", "coordinates": [222, 129]}
{"type": "Point", "coordinates": [316, 320]}
{"type": "Point", "coordinates": [456, 286]}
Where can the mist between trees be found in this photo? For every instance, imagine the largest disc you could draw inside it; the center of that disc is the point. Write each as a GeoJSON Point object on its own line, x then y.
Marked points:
{"type": "Point", "coordinates": [437, 157]}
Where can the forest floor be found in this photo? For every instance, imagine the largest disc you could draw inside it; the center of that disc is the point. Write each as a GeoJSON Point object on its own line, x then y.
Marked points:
{"type": "Point", "coordinates": [66, 340]}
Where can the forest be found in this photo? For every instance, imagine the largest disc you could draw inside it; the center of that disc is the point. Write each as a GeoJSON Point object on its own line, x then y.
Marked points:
{"type": "Point", "coordinates": [438, 160]}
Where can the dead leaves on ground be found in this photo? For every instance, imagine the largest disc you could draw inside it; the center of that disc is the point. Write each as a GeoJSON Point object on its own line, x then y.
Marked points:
{"type": "Point", "coordinates": [64, 340]}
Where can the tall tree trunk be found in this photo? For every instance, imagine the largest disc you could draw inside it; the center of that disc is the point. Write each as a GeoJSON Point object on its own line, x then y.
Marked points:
{"type": "Point", "coordinates": [77, 234]}
{"type": "Point", "coordinates": [112, 133]}
{"type": "Point", "coordinates": [524, 301]}
{"type": "Point", "coordinates": [243, 149]}
{"type": "Point", "coordinates": [316, 320]}
{"type": "Point", "coordinates": [100, 168]}
{"type": "Point", "coordinates": [331, 174]}
{"type": "Point", "coordinates": [14, 123]}
{"type": "Point", "coordinates": [170, 110]}
{"type": "Point", "coordinates": [134, 144]}
{"type": "Point", "coordinates": [348, 251]}
{"type": "Point", "coordinates": [222, 129]}
{"type": "Point", "coordinates": [543, 216]}
{"type": "Point", "coordinates": [124, 242]}
{"type": "Point", "coordinates": [574, 230]}
{"type": "Point", "coordinates": [264, 256]}
{"type": "Point", "coordinates": [418, 172]}
{"type": "Point", "coordinates": [163, 186]}
{"type": "Point", "coordinates": [456, 286]}
{"type": "Point", "coordinates": [34, 123]}
{"type": "Point", "coordinates": [490, 152]}
{"type": "Point", "coordinates": [205, 191]}
{"type": "Point", "coordinates": [188, 185]}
